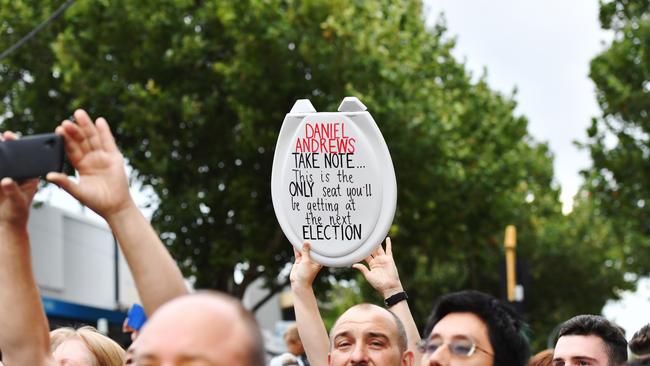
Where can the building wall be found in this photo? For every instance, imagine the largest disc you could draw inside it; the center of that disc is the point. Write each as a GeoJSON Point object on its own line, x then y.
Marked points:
{"type": "Point", "coordinates": [74, 260]}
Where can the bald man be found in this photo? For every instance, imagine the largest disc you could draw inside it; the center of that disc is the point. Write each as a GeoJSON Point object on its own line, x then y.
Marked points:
{"type": "Point", "coordinates": [207, 327]}
{"type": "Point", "coordinates": [367, 334]}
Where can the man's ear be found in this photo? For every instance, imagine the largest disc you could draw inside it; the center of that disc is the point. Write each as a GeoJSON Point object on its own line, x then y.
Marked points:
{"type": "Point", "coordinates": [407, 358]}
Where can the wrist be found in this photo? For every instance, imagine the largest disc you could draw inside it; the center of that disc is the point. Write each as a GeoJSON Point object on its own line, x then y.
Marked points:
{"type": "Point", "coordinates": [395, 299]}
{"type": "Point", "coordinates": [122, 212]}
{"type": "Point", "coordinates": [301, 287]}
{"type": "Point", "coordinates": [390, 291]}
{"type": "Point", "coordinates": [13, 228]}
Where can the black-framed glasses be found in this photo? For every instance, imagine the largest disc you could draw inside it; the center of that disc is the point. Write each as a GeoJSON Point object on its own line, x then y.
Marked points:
{"type": "Point", "coordinates": [459, 346]}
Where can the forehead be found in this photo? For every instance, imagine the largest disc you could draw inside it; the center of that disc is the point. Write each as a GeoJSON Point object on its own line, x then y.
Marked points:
{"type": "Point", "coordinates": [362, 320]}
{"type": "Point", "coordinates": [194, 331]}
{"type": "Point", "coordinates": [73, 350]}
{"type": "Point", "coordinates": [580, 346]}
{"type": "Point", "coordinates": [462, 324]}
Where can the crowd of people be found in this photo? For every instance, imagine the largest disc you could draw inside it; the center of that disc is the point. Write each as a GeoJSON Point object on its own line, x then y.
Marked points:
{"type": "Point", "coordinates": [210, 328]}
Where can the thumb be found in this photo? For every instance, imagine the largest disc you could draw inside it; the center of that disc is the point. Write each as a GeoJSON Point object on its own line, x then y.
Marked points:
{"type": "Point", "coordinates": [64, 182]}
{"type": "Point", "coordinates": [361, 268]}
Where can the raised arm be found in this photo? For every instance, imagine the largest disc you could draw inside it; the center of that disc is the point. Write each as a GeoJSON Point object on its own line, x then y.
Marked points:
{"type": "Point", "coordinates": [24, 335]}
{"type": "Point", "coordinates": [310, 324]}
{"type": "Point", "coordinates": [103, 187]}
{"type": "Point", "coordinates": [383, 276]}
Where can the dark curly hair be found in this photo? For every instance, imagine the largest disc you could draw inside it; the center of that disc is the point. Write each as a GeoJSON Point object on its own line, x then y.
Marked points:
{"type": "Point", "coordinates": [640, 342]}
{"type": "Point", "coordinates": [506, 329]}
{"type": "Point", "coordinates": [612, 335]}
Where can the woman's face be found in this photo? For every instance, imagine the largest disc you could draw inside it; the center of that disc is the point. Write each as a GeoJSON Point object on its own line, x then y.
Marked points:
{"type": "Point", "coordinates": [73, 352]}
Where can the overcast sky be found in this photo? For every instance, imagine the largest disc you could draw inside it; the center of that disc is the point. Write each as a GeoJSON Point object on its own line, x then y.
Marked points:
{"type": "Point", "coordinates": [542, 48]}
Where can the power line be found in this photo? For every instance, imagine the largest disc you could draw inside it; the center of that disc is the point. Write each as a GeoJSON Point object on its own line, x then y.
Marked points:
{"type": "Point", "coordinates": [31, 34]}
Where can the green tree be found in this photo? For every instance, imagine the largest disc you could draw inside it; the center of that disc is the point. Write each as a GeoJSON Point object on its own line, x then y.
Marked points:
{"type": "Point", "coordinates": [619, 144]}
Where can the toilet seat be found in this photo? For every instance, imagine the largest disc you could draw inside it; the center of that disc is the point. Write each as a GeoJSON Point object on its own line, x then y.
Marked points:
{"type": "Point", "coordinates": [333, 182]}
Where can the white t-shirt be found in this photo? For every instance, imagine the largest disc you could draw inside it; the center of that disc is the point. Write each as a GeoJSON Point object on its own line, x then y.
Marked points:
{"type": "Point", "coordinates": [285, 359]}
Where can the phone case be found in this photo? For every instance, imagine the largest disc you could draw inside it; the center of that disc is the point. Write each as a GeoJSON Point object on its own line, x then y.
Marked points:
{"type": "Point", "coordinates": [31, 156]}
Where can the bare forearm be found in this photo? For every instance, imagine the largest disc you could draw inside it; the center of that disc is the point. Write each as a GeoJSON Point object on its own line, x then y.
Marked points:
{"type": "Point", "coordinates": [24, 338]}
{"type": "Point", "coordinates": [156, 275]}
{"type": "Point", "coordinates": [310, 325]}
{"type": "Point", "coordinates": [403, 312]}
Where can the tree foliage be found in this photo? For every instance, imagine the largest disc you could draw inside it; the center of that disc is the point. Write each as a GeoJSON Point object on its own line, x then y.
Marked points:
{"type": "Point", "coordinates": [196, 92]}
{"type": "Point", "coordinates": [619, 139]}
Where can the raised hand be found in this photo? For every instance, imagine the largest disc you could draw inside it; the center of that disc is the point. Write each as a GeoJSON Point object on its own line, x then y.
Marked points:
{"type": "Point", "coordinates": [15, 199]}
{"type": "Point", "coordinates": [381, 272]}
{"type": "Point", "coordinates": [304, 269]}
{"type": "Point", "coordinates": [91, 149]}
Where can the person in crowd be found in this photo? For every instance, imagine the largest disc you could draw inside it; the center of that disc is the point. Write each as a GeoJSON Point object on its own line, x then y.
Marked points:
{"type": "Point", "coordinates": [365, 333]}
{"type": "Point", "coordinates": [542, 358]}
{"type": "Point", "coordinates": [180, 327]}
{"type": "Point", "coordinates": [590, 339]}
{"type": "Point", "coordinates": [24, 339]}
{"type": "Point", "coordinates": [294, 344]}
{"type": "Point", "coordinates": [204, 328]}
{"type": "Point", "coordinates": [640, 343]}
{"type": "Point", "coordinates": [474, 328]}
{"type": "Point", "coordinates": [296, 351]}
{"type": "Point", "coordinates": [103, 186]}
{"type": "Point", "coordinates": [85, 344]}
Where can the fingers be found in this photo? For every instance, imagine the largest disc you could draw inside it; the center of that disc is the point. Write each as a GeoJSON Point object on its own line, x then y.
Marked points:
{"type": "Point", "coordinates": [389, 246]}
{"type": "Point", "coordinates": [88, 129]}
{"type": "Point", "coordinates": [105, 135]}
{"type": "Point", "coordinates": [361, 268]}
{"type": "Point", "coordinates": [30, 187]}
{"type": "Point", "coordinates": [64, 182]}
{"type": "Point", "coordinates": [10, 190]}
{"type": "Point", "coordinates": [75, 146]}
{"type": "Point", "coordinates": [306, 250]}
{"type": "Point", "coordinates": [306, 254]}
{"type": "Point", "coordinates": [8, 185]}
{"type": "Point", "coordinates": [8, 136]}
{"type": "Point", "coordinates": [297, 255]}
{"type": "Point", "coordinates": [368, 259]}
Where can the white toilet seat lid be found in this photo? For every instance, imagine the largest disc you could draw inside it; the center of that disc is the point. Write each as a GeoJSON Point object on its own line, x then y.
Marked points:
{"type": "Point", "coordinates": [333, 183]}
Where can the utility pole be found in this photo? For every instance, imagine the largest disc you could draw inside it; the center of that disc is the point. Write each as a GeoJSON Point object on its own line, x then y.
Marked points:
{"type": "Point", "coordinates": [510, 244]}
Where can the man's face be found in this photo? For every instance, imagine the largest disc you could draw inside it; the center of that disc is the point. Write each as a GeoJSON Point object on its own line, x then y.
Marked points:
{"type": "Point", "coordinates": [366, 335]}
{"type": "Point", "coordinates": [193, 330]}
{"type": "Point", "coordinates": [580, 350]}
{"type": "Point", "coordinates": [461, 330]}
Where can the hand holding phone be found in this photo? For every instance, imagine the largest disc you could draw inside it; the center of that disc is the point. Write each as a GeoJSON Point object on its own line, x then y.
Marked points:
{"type": "Point", "coordinates": [31, 156]}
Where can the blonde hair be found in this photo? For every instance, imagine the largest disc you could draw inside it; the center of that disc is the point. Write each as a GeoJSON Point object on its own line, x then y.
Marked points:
{"type": "Point", "coordinates": [543, 358]}
{"type": "Point", "coordinates": [105, 351]}
{"type": "Point", "coordinates": [291, 333]}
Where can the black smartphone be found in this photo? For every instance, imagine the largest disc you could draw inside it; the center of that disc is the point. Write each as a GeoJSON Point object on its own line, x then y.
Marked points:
{"type": "Point", "coordinates": [31, 156]}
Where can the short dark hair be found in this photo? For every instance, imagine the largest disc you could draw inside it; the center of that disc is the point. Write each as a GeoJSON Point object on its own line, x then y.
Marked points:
{"type": "Point", "coordinates": [639, 362]}
{"type": "Point", "coordinates": [612, 335]}
{"type": "Point", "coordinates": [402, 338]}
{"type": "Point", "coordinates": [506, 329]}
{"type": "Point", "coordinates": [640, 342]}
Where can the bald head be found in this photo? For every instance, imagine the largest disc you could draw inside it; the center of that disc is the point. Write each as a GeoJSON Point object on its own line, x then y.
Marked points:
{"type": "Point", "coordinates": [361, 311]}
{"type": "Point", "coordinates": [206, 326]}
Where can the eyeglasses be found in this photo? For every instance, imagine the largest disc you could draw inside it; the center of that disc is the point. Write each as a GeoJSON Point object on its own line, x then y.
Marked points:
{"type": "Point", "coordinates": [462, 346]}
